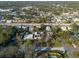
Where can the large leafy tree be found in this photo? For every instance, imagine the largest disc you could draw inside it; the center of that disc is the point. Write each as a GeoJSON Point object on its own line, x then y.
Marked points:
{"type": "Point", "coordinates": [74, 27]}
{"type": "Point", "coordinates": [28, 48]}
{"type": "Point", "coordinates": [5, 34]}
{"type": "Point", "coordinates": [10, 51]}
{"type": "Point", "coordinates": [55, 31]}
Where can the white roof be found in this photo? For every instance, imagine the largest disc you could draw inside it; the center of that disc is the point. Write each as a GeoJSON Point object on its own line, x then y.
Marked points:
{"type": "Point", "coordinates": [31, 28]}
{"type": "Point", "coordinates": [24, 27]}
{"type": "Point", "coordinates": [18, 26]}
{"type": "Point", "coordinates": [37, 37]}
{"type": "Point", "coordinates": [64, 28]}
{"type": "Point", "coordinates": [76, 19]}
{"type": "Point", "coordinates": [9, 21]}
{"type": "Point", "coordinates": [65, 13]}
{"type": "Point", "coordinates": [29, 36]}
{"type": "Point", "coordinates": [48, 28]}
{"type": "Point", "coordinates": [35, 33]}
{"type": "Point", "coordinates": [4, 10]}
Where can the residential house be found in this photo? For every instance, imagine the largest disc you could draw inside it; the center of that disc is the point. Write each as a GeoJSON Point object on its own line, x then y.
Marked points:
{"type": "Point", "coordinates": [9, 21]}
{"type": "Point", "coordinates": [48, 28]}
{"type": "Point", "coordinates": [76, 19]}
{"type": "Point", "coordinates": [33, 36]}
{"type": "Point", "coordinates": [65, 28]}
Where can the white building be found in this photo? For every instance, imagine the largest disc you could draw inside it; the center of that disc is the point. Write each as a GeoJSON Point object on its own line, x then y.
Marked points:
{"type": "Point", "coordinates": [76, 19]}
{"type": "Point", "coordinates": [33, 36]}
{"type": "Point", "coordinates": [24, 27]}
{"type": "Point", "coordinates": [65, 14]}
{"type": "Point", "coordinates": [27, 7]}
{"type": "Point", "coordinates": [18, 26]}
{"type": "Point", "coordinates": [9, 21]}
{"type": "Point", "coordinates": [5, 10]}
{"type": "Point", "coordinates": [31, 28]}
{"type": "Point", "coordinates": [48, 28]}
{"type": "Point", "coordinates": [75, 13]}
{"type": "Point", "coordinates": [65, 28]}
{"type": "Point", "coordinates": [37, 35]}
{"type": "Point", "coordinates": [29, 36]}
{"type": "Point", "coordinates": [3, 21]}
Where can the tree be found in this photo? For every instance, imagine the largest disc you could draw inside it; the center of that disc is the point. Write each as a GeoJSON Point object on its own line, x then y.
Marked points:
{"type": "Point", "coordinates": [50, 42]}
{"type": "Point", "coordinates": [42, 19]}
{"type": "Point", "coordinates": [5, 35]}
{"type": "Point", "coordinates": [65, 34]}
{"type": "Point", "coordinates": [41, 41]}
{"type": "Point", "coordinates": [55, 31]}
{"type": "Point", "coordinates": [28, 49]}
{"type": "Point", "coordinates": [74, 27]}
{"type": "Point", "coordinates": [10, 52]}
{"type": "Point", "coordinates": [19, 40]}
{"type": "Point", "coordinates": [28, 42]}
